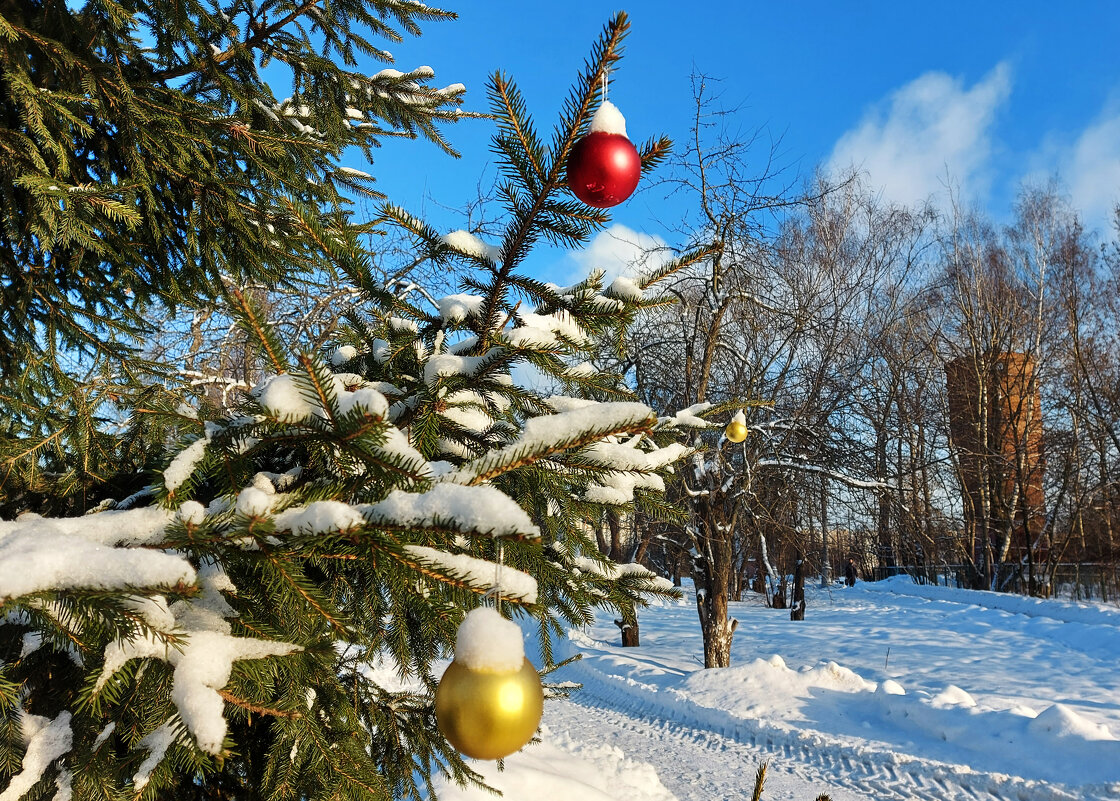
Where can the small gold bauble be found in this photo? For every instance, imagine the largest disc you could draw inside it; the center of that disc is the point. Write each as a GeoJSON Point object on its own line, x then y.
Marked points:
{"type": "Point", "coordinates": [735, 431]}
{"type": "Point", "coordinates": [489, 715]}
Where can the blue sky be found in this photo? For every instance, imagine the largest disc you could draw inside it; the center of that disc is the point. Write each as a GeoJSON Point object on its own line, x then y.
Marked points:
{"type": "Point", "coordinates": [982, 94]}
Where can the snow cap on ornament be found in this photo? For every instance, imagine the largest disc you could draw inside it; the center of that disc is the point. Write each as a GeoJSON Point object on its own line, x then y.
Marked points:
{"type": "Point", "coordinates": [604, 166]}
{"type": "Point", "coordinates": [489, 701]}
{"type": "Point", "coordinates": [487, 641]}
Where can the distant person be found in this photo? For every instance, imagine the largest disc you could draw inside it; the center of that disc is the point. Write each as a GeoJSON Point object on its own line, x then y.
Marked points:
{"type": "Point", "coordinates": [850, 572]}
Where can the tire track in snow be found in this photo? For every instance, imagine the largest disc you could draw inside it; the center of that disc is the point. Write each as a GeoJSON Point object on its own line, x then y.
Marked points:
{"type": "Point", "coordinates": [692, 764]}
{"type": "Point", "coordinates": [653, 726]}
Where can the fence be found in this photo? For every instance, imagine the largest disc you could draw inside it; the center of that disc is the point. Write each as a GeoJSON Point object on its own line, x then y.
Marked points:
{"type": "Point", "coordinates": [1072, 581]}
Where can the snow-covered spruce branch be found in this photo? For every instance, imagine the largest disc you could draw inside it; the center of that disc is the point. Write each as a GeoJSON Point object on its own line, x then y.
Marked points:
{"type": "Point", "coordinates": [548, 435]}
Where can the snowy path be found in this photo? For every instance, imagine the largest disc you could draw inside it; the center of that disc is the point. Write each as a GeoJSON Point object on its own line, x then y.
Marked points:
{"type": "Point", "coordinates": [694, 764]}
{"type": "Point", "coordinates": [708, 761]}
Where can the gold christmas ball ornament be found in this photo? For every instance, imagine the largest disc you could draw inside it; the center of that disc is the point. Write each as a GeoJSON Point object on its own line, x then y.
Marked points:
{"type": "Point", "coordinates": [489, 701]}
{"type": "Point", "coordinates": [488, 715]}
{"type": "Point", "coordinates": [736, 430]}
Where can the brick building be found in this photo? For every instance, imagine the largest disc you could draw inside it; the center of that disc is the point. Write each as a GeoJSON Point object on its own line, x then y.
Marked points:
{"type": "Point", "coordinates": [996, 427]}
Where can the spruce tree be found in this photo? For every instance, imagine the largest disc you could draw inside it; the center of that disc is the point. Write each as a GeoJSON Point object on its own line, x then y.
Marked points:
{"type": "Point", "coordinates": [211, 637]}
{"type": "Point", "coordinates": [145, 158]}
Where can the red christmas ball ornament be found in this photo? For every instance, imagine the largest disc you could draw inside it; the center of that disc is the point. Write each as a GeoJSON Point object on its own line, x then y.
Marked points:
{"type": "Point", "coordinates": [604, 166]}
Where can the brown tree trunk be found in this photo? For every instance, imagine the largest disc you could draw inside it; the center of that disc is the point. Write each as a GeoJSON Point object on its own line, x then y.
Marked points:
{"type": "Point", "coordinates": [615, 525]}
{"type": "Point", "coordinates": [712, 578]}
{"type": "Point", "coordinates": [779, 599]}
{"type": "Point", "coordinates": [628, 625]}
{"type": "Point", "coordinates": [644, 537]}
{"type": "Point", "coordinates": [717, 629]}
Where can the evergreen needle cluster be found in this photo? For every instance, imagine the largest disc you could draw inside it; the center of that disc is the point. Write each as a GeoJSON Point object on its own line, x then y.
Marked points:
{"type": "Point", "coordinates": [146, 163]}
{"type": "Point", "coordinates": [226, 631]}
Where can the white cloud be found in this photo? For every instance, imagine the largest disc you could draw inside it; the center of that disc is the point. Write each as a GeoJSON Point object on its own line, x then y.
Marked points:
{"type": "Point", "coordinates": [931, 132]}
{"type": "Point", "coordinates": [1090, 168]}
{"type": "Point", "coordinates": [619, 250]}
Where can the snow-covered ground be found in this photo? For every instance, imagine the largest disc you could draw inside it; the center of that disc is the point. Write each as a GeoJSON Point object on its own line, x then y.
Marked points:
{"type": "Point", "coordinates": [884, 691]}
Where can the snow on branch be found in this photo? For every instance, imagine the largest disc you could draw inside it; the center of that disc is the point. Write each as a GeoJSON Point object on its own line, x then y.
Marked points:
{"type": "Point", "coordinates": [447, 364]}
{"type": "Point", "coordinates": [546, 331]}
{"type": "Point", "coordinates": [319, 517]}
{"type": "Point", "coordinates": [467, 244]}
{"type": "Point", "coordinates": [634, 470]}
{"type": "Point", "coordinates": [625, 289]}
{"type": "Point", "coordinates": [478, 574]}
{"type": "Point", "coordinates": [184, 463]}
{"type": "Point", "coordinates": [46, 741]}
{"type": "Point", "coordinates": [614, 570]}
{"type": "Point", "coordinates": [292, 397]}
{"type": "Point", "coordinates": [42, 555]}
{"type": "Point", "coordinates": [202, 655]}
{"type": "Point", "coordinates": [618, 490]}
{"type": "Point", "coordinates": [114, 527]}
{"type": "Point", "coordinates": [157, 743]}
{"type": "Point", "coordinates": [481, 509]}
{"type": "Point", "coordinates": [554, 433]}
{"type": "Point", "coordinates": [563, 403]}
{"type": "Point", "coordinates": [688, 418]}
{"type": "Point", "coordinates": [455, 308]}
